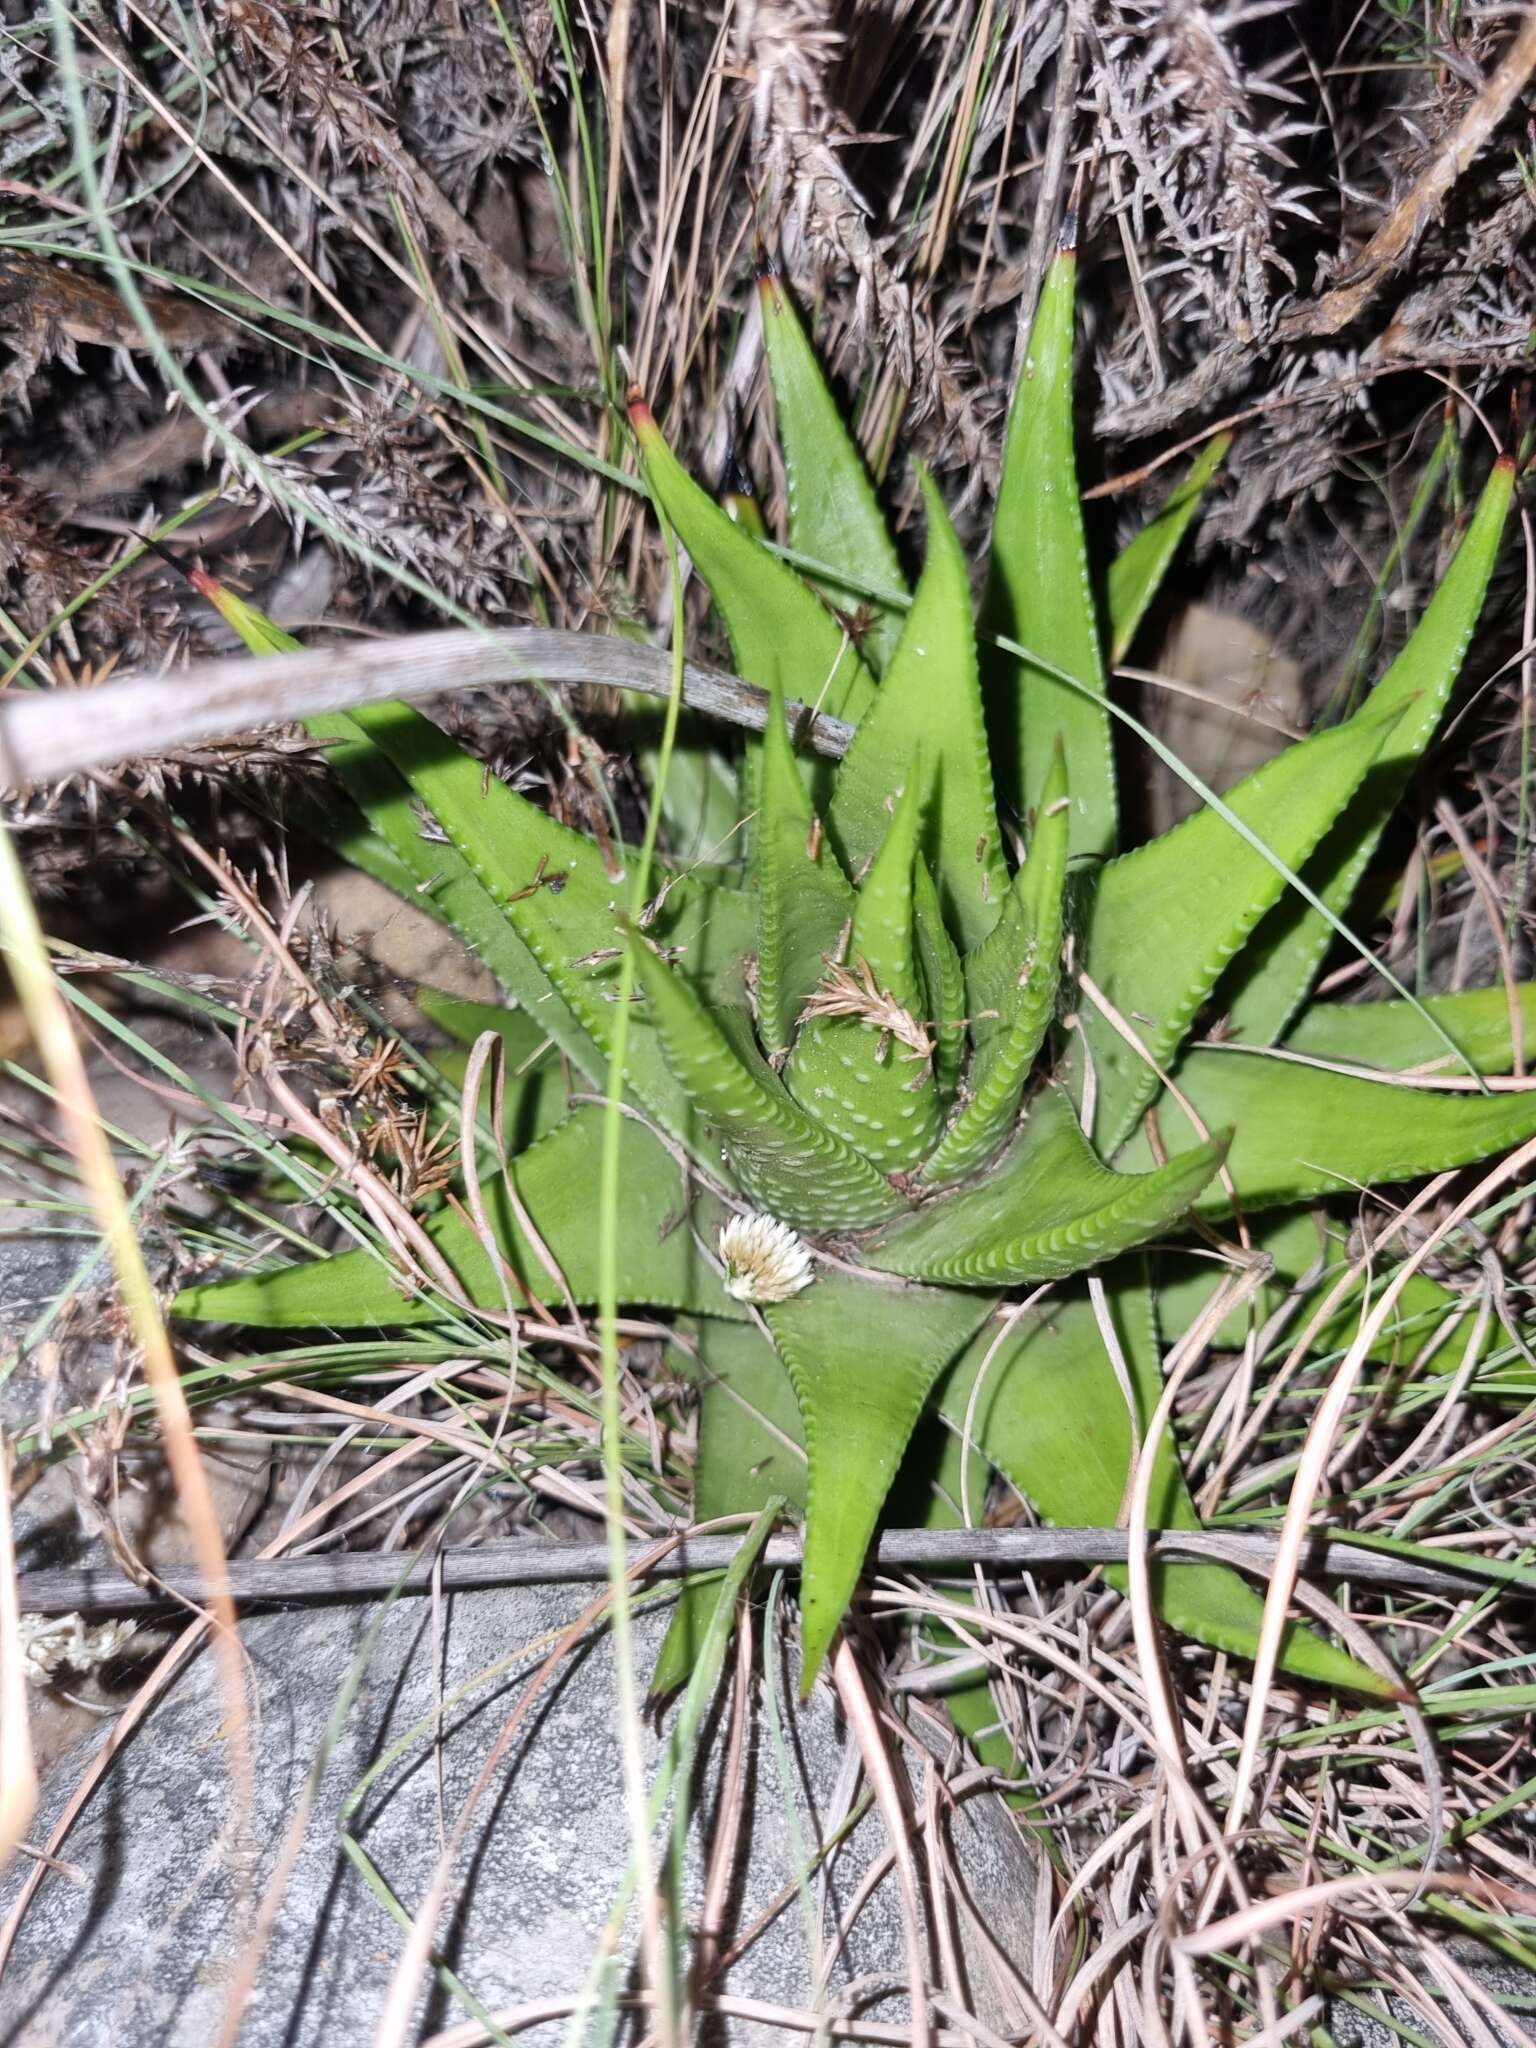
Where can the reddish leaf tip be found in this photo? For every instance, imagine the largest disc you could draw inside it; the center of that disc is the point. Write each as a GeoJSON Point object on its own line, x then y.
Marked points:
{"type": "Point", "coordinates": [1066, 241]}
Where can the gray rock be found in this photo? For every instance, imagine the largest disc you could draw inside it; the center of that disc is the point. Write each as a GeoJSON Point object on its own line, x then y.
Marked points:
{"type": "Point", "coordinates": [142, 1948]}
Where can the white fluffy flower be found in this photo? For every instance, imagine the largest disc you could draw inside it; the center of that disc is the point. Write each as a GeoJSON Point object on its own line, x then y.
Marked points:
{"type": "Point", "coordinates": [763, 1259]}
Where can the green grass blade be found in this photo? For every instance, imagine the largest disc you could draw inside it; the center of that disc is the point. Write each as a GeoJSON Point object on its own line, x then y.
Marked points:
{"type": "Point", "coordinates": [1038, 590]}
{"type": "Point", "coordinates": [700, 797]}
{"type": "Point", "coordinates": [1047, 1210]}
{"type": "Point", "coordinates": [1443, 463]}
{"type": "Point", "coordinates": [1295, 1240]}
{"type": "Point", "coordinates": [935, 1479]}
{"type": "Point", "coordinates": [834, 516]}
{"type": "Point", "coordinates": [1137, 572]}
{"type": "Point", "coordinates": [256, 631]}
{"type": "Point", "coordinates": [1286, 954]}
{"type": "Point", "coordinates": [751, 1450]}
{"type": "Point", "coordinates": [930, 700]}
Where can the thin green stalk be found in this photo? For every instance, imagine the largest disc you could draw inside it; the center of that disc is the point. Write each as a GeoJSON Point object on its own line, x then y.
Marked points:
{"type": "Point", "coordinates": [1346, 695]}
{"type": "Point", "coordinates": [447, 341]}
{"type": "Point", "coordinates": [676, 1768]}
{"type": "Point", "coordinates": [557, 183]}
{"type": "Point", "coordinates": [804, 1863]}
{"type": "Point", "coordinates": [562, 20]}
{"type": "Point", "coordinates": [608, 1314]}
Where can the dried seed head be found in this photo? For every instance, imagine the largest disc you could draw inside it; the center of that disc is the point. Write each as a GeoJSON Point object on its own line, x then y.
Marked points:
{"type": "Point", "coordinates": [51, 1644]}
{"type": "Point", "coordinates": [764, 1260]}
{"type": "Point", "coordinates": [840, 993]}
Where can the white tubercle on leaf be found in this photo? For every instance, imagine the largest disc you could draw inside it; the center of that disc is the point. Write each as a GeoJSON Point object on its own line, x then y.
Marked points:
{"type": "Point", "coordinates": [764, 1260]}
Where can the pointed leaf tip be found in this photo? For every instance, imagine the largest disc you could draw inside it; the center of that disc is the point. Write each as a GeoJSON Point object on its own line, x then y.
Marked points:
{"type": "Point", "coordinates": [779, 629]}
{"type": "Point", "coordinates": [834, 515]}
{"type": "Point", "coordinates": [1038, 595]}
{"type": "Point", "coordinates": [862, 1359]}
{"type": "Point", "coordinates": [1050, 1208]}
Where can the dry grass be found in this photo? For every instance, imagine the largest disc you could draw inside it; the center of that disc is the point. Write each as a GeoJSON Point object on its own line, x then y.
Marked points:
{"type": "Point", "coordinates": [350, 294]}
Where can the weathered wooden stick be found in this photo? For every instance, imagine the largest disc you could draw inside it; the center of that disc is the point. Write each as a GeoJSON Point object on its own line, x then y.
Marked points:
{"type": "Point", "coordinates": [45, 734]}
{"type": "Point", "coordinates": [366, 1575]}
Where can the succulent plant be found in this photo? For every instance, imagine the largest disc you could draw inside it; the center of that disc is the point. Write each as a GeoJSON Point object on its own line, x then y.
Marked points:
{"type": "Point", "coordinates": [929, 1043]}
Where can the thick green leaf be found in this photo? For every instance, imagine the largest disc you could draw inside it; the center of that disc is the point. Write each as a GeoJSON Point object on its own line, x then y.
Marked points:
{"type": "Point", "coordinates": [1051, 1416]}
{"type": "Point", "coordinates": [437, 877]}
{"type": "Point", "coordinates": [785, 1160]}
{"type": "Point", "coordinates": [660, 1263]}
{"type": "Point", "coordinates": [341, 826]}
{"type": "Point", "coordinates": [1296, 1241]}
{"type": "Point", "coordinates": [1279, 966]}
{"type": "Point", "coordinates": [1011, 981]}
{"type": "Point", "coordinates": [1049, 1209]}
{"type": "Point", "coordinates": [751, 1450]}
{"type": "Point", "coordinates": [1137, 572]}
{"type": "Point", "coordinates": [833, 515]}
{"type": "Point", "coordinates": [1394, 1037]}
{"type": "Point", "coordinates": [1301, 1132]}
{"type": "Point", "coordinates": [1166, 919]}
{"type": "Point", "coordinates": [930, 702]}
{"type": "Point", "coordinates": [1184, 1281]}
{"type": "Point", "coordinates": [701, 799]}
{"type": "Point", "coordinates": [883, 909]}
{"type": "Point", "coordinates": [804, 900]}
{"type": "Point", "coordinates": [782, 635]}
{"type": "Point", "coordinates": [535, 1091]}
{"type": "Point", "coordinates": [857, 1073]}
{"type": "Point", "coordinates": [564, 903]}
{"type": "Point", "coordinates": [523, 1037]}
{"type": "Point", "coordinates": [1038, 591]}
{"type": "Point", "coordinates": [862, 1358]}
{"type": "Point", "coordinates": [943, 982]}
{"type": "Point", "coordinates": [533, 1103]}
{"type": "Point", "coordinates": [432, 875]}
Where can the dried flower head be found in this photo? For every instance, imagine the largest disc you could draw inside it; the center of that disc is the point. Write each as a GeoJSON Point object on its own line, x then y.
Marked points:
{"type": "Point", "coordinates": [841, 993]}
{"type": "Point", "coordinates": [764, 1260]}
{"type": "Point", "coordinates": [51, 1644]}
